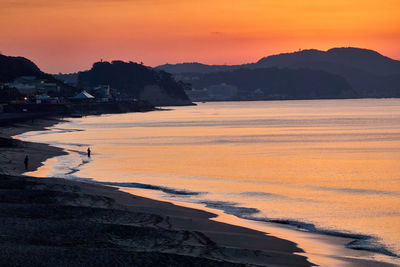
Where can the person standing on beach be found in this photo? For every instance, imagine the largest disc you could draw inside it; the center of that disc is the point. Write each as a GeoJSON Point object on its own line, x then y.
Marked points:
{"type": "Point", "coordinates": [26, 161]}
{"type": "Point", "coordinates": [88, 152]}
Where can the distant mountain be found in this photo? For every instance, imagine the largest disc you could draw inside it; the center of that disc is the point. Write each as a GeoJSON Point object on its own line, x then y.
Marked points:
{"type": "Point", "coordinates": [136, 80]}
{"type": "Point", "coordinates": [277, 83]}
{"type": "Point", "coordinates": [350, 58]}
{"type": "Point", "coordinates": [368, 72]}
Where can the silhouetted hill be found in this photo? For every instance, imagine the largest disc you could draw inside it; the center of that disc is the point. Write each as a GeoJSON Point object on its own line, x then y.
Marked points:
{"type": "Point", "coordinates": [276, 83]}
{"type": "Point", "coordinates": [12, 68]}
{"type": "Point", "coordinates": [136, 80]}
{"type": "Point", "coordinates": [356, 58]}
{"type": "Point", "coordinates": [368, 72]}
{"type": "Point", "coordinates": [68, 78]}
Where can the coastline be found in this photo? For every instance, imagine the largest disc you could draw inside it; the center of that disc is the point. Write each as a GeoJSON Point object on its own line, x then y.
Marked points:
{"type": "Point", "coordinates": [69, 222]}
{"type": "Point", "coordinates": [12, 150]}
{"type": "Point", "coordinates": [280, 251]}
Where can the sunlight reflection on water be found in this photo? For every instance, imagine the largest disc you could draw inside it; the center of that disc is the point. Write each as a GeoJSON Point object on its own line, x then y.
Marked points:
{"type": "Point", "coordinates": [332, 164]}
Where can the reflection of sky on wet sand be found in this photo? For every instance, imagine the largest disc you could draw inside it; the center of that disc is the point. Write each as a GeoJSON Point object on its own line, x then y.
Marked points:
{"type": "Point", "coordinates": [332, 163]}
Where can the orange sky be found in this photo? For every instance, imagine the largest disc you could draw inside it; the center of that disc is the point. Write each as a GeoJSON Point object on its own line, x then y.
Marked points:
{"type": "Point", "coordinates": [67, 36]}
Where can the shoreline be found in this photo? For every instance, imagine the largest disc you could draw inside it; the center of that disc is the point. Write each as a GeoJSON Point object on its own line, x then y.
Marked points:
{"type": "Point", "coordinates": [219, 216]}
{"type": "Point", "coordinates": [320, 249]}
{"type": "Point", "coordinates": [168, 233]}
{"type": "Point", "coordinates": [12, 150]}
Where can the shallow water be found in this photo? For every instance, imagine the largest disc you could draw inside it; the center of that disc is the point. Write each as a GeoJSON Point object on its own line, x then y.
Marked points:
{"type": "Point", "coordinates": [330, 166]}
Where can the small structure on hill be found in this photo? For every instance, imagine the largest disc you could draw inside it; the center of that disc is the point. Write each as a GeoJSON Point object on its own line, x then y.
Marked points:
{"type": "Point", "coordinates": [83, 97]}
{"type": "Point", "coordinates": [102, 93]}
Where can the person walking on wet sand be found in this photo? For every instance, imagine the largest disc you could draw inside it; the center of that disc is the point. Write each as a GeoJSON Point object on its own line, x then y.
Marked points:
{"type": "Point", "coordinates": [26, 161]}
{"type": "Point", "coordinates": [88, 152]}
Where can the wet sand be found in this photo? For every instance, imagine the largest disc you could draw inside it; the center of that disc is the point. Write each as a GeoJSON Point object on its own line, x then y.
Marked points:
{"type": "Point", "coordinates": [52, 221]}
{"type": "Point", "coordinates": [12, 151]}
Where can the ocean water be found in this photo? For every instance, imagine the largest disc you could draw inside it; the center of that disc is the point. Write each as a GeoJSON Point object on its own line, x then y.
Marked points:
{"type": "Point", "coordinates": [328, 166]}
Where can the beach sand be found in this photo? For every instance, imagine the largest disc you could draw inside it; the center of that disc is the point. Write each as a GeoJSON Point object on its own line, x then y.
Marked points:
{"type": "Point", "coordinates": [52, 221]}
{"type": "Point", "coordinates": [13, 151]}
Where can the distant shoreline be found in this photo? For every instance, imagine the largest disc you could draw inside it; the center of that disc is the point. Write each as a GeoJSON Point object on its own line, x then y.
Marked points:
{"type": "Point", "coordinates": [308, 99]}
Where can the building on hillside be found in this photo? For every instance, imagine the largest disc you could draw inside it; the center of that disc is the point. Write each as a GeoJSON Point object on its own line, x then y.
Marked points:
{"type": "Point", "coordinates": [198, 95]}
{"type": "Point", "coordinates": [26, 80]}
{"type": "Point", "coordinates": [45, 87]}
{"type": "Point", "coordinates": [24, 89]}
{"type": "Point", "coordinates": [30, 85]}
{"type": "Point", "coordinates": [25, 85]}
{"type": "Point", "coordinates": [83, 97]}
{"type": "Point", "coordinates": [222, 91]}
{"type": "Point", "coordinates": [102, 92]}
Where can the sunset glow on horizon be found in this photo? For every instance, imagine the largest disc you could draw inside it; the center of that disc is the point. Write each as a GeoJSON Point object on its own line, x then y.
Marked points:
{"type": "Point", "coordinates": [68, 36]}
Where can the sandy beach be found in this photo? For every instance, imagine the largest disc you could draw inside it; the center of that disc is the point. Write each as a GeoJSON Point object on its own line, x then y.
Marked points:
{"type": "Point", "coordinates": [49, 221]}
{"type": "Point", "coordinates": [13, 151]}
{"type": "Point", "coordinates": [53, 221]}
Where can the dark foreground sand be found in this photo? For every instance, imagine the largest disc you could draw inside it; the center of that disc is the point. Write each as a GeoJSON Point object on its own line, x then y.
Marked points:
{"type": "Point", "coordinates": [57, 222]}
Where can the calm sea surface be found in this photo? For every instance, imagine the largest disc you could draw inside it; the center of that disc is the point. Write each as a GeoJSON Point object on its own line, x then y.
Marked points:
{"type": "Point", "coordinates": [330, 166]}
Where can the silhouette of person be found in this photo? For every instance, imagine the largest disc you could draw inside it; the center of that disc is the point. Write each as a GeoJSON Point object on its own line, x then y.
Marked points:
{"type": "Point", "coordinates": [26, 161]}
{"type": "Point", "coordinates": [88, 152]}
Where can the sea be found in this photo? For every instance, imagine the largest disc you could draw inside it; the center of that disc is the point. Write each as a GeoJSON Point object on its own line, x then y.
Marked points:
{"type": "Point", "coordinates": [325, 166]}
